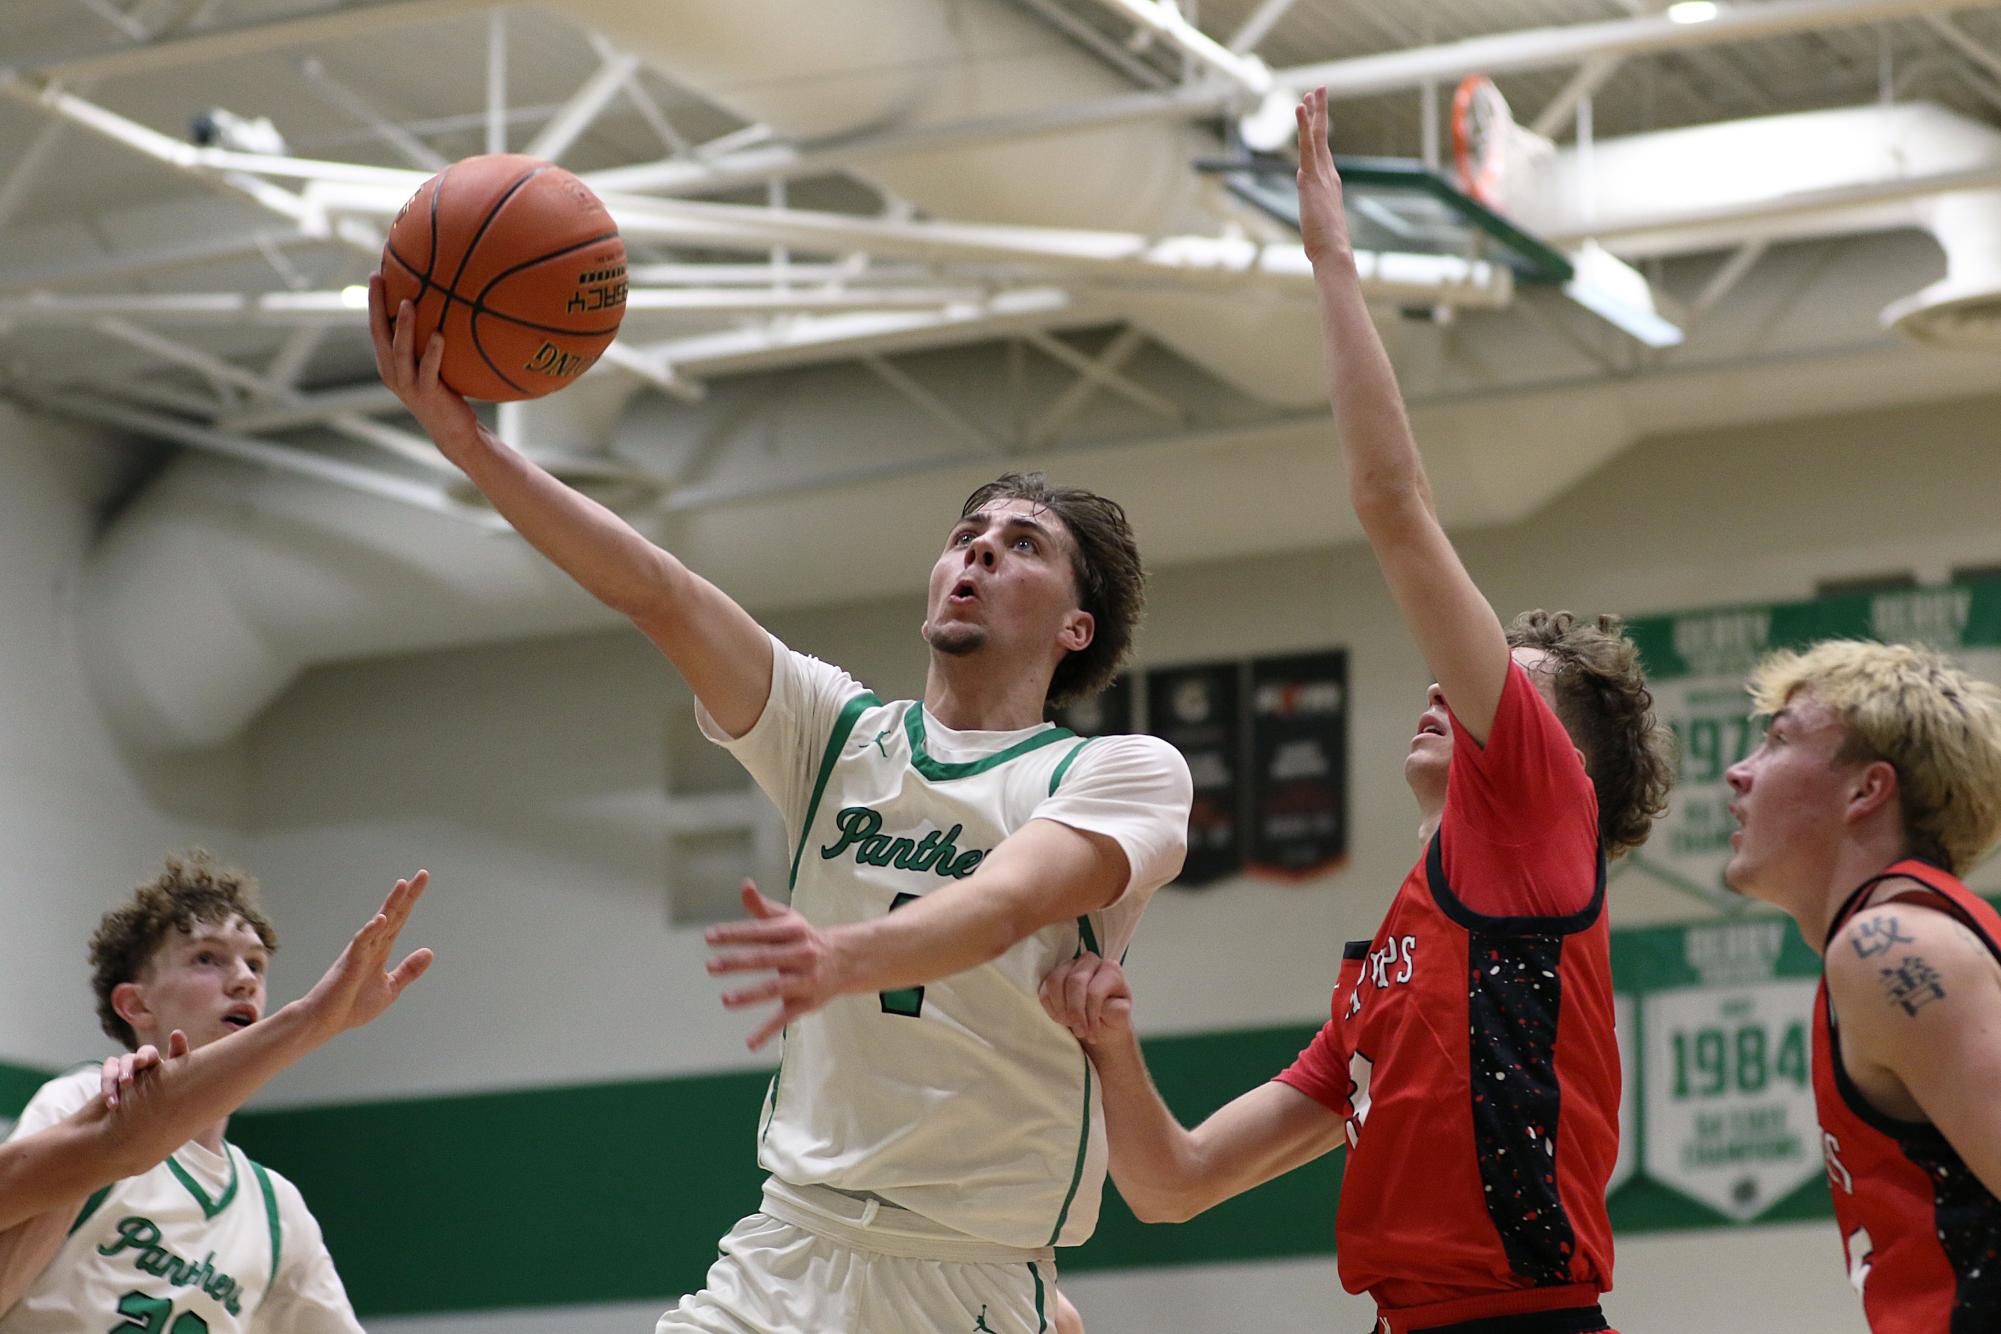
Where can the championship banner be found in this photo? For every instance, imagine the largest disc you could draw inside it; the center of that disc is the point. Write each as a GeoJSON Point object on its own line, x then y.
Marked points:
{"type": "Point", "coordinates": [1717, 1125]}
{"type": "Point", "coordinates": [1696, 663]}
{"type": "Point", "coordinates": [1197, 711]}
{"type": "Point", "coordinates": [1299, 764]}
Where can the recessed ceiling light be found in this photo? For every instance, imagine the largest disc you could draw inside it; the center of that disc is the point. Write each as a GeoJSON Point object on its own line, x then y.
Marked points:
{"type": "Point", "coordinates": [1691, 11]}
{"type": "Point", "coordinates": [355, 297]}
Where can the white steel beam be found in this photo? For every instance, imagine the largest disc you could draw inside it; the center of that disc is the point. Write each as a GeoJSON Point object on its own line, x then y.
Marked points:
{"type": "Point", "coordinates": [1102, 371]}
{"type": "Point", "coordinates": [1074, 399]}
{"type": "Point", "coordinates": [265, 454]}
{"type": "Point", "coordinates": [555, 138]}
{"type": "Point", "coordinates": [1544, 48]}
{"type": "Point", "coordinates": [1166, 20]}
{"type": "Point", "coordinates": [1965, 44]}
{"type": "Point", "coordinates": [496, 81]}
{"type": "Point", "coordinates": [251, 39]}
{"type": "Point", "coordinates": [1550, 121]}
{"type": "Point", "coordinates": [714, 168]}
{"type": "Point", "coordinates": [941, 411]}
{"type": "Point", "coordinates": [1260, 22]}
{"type": "Point", "coordinates": [414, 150]}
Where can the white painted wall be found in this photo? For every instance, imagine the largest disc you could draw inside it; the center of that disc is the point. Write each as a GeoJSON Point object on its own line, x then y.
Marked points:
{"type": "Point", "coordinates": [530, 779]}
{"type": "Point", "coordinates": [80, 821]}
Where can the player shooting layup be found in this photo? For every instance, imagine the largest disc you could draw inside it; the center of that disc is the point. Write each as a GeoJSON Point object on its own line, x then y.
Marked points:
{"type": "Point", "coordinates": [1877, 785]}
{"type": "Point", "coordinates": [929, 1141]}
{"type": "Point", "coordinates": [207, 1240]}
{"type": "Point", "coordinates": [1469, 1063]}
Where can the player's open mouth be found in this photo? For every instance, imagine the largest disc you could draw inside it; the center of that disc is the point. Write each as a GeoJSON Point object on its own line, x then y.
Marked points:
{"type": "Point", "coordinates": [239, 1016]}
{"type": "Point", "coordinates": [1430, 726]}
{"type": "Point", "coordinates": [963, 591]}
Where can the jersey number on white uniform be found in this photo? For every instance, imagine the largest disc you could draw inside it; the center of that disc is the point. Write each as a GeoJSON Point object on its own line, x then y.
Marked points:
{"type": "Point", "coordinates": [149, 1315]}
{"type": "Point", "coordinates": [908, 1001]}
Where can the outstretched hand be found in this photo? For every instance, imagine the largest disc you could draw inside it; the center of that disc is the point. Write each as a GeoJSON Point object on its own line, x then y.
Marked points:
{"type": "Point", "coordinates": [805, 961]}
{"type": "Point", "coordinates": [359, 987]}
{"type": "Point", "coordinates": [441, 410]}
{"type": "Point", "coordinates": [1089, 996]}
{"type": "Point", "coordinates": [1323, 222]}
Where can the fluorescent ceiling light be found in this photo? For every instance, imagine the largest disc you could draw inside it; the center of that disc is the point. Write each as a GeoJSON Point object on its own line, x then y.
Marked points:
{"type": "Point", "coordinates": [354, 298]}
{"type": "Point", "coordinates": [1691, 11]}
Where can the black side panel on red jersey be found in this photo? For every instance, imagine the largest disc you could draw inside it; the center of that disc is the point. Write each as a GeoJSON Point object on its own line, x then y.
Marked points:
{"type": "Point", "coordinates": [1514, 993]}
{"type": "Point", "coordinates": [1969, 1232]}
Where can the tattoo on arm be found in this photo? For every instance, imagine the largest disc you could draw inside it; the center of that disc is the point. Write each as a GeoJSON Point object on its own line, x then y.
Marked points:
{"type": "Point", "coordinates": [1877, 935]}
{"type": "Point", "coordinates": [1911, 983]}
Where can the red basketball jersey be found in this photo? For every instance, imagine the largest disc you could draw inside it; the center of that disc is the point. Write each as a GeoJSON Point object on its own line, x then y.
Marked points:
{"type": "Point", "coordinates": [1472, 1047]}
{"type": "Point", "coordinates": [1922, 1234]}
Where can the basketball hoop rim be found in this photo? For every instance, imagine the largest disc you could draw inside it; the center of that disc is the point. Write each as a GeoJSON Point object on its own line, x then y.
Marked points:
{"type": "Point", "coordinates": [1481, 166]}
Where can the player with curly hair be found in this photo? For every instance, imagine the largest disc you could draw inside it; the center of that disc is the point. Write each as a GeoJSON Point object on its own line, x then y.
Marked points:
{"type": "Point", "coordinates": [1469, 1063]}
{"type": "Point", "coordinates": [120, 1200]}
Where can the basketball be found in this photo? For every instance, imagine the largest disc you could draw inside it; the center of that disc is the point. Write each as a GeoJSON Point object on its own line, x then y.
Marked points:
{"type": "Point", "coordinates": [521, 267]}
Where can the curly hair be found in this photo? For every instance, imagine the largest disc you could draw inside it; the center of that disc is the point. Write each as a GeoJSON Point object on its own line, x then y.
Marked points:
{"type": "Point", "coordinates": [1104, 560]}
{"type": "Point", "coordinates": [1908, 705]}
{"type": "Point", "coordinates": [1603, 702]}
{"type": "Point", "coordinates": [193, 889]}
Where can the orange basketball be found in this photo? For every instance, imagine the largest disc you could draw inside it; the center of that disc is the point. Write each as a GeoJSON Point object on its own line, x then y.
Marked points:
{"type": "Point", "coordinates": [520, 265]}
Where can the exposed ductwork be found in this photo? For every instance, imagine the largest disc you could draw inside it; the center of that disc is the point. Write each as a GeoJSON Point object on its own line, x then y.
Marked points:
{"type": "Point", "coordinates": [1776, 178]}
{"type": "Point", "coordinates": [214, 590]}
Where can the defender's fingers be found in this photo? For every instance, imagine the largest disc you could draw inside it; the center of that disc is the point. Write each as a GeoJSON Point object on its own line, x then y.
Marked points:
{"type": "Point", "coordinates": [410, 970]}
{"type": "Point", "coordinates": [763, 991]}
{"type": "Point", "coordinates": [776, 959]}
{"type": "Point", "coordinates": [758, 931]}
{"type": "Point", "coordinates": [177, 1043]}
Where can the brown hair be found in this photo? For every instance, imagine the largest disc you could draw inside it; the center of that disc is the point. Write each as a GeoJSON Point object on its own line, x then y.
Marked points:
{"type": "Point", "coordinates": [1603, 702]}
{"type": "Point", "coordinates": [1104, 562]}
{"type": "Point", "coordinates": [192, 889]}
{"type": "Point", "coordinates": [1908, 705]}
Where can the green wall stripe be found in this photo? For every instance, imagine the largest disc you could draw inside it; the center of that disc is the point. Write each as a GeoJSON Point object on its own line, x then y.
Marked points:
{"type": "Point", "coordinates": [18, 1084]}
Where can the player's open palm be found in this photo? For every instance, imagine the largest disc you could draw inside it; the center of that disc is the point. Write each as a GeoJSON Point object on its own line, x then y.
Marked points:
{"type": "Point", "coordinates": [1090, 997]}
{"type": "Point", "coordinates": [412, 373]}
{"type": "Point", "coordinates": [1323, 222]}
{"type": "Point", "coordinates": [803, 960]}
{"type": "Point", "coordinates": [360, 985]}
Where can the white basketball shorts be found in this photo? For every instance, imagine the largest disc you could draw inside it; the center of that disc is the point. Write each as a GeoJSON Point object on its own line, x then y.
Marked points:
{"type": "Point", "coordinates": [820, 1261]}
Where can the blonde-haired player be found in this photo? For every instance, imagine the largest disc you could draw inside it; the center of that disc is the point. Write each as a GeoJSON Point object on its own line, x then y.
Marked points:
{"type": "Point", "coordinates": [1877, 785]}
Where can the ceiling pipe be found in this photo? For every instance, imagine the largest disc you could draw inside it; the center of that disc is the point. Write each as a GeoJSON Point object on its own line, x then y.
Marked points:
{"type": "Point", "coordinates": [1776, 178]}
{"type": "Point", "coordinates": [1646, 34]}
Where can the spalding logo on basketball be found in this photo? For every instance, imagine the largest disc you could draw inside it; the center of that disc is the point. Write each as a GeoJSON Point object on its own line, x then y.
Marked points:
{"type": "Point", "coordinates": [521, 267]}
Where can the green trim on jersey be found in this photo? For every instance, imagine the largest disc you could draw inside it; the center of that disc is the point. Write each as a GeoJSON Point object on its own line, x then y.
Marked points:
{"type": "Point", "coordinates": [1087, 939]}
{"type": "Point", "coordinates": [270, 1217]}
{"type": "Point", "coordinates": [1076, 1173]}
{"type": "Point", "coordinates": [209, 1209]}
{"type": "Point", "coordinates": [90, 1206]}
{"type": "Point", "coordinates": [1064, 767]}
{"type": "Point", "coordinates": [844, 724]}
{"type": "Point", "coordinates": [1041, 1320]}
{"type": "Point", "coordinates": [940, 772]}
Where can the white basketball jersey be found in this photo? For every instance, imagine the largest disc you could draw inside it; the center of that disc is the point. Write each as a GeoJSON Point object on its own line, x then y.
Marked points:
{"type": "Point", "coordinates": [198, 1245]}
{"type": "Point", "coordinates": [960, 1100]}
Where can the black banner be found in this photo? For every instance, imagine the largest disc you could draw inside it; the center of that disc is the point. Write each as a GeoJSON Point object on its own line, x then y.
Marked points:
{"type": "Point", "coordinates": [1196, 710]}
{"type": "Point", "coordinates": [1107, 713]}
{"type": "Point", "coordinates": [1299, 764]}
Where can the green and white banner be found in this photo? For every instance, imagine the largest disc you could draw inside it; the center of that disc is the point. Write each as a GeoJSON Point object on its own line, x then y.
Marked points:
{"type": "Point", "coordinates": [1697, 660]}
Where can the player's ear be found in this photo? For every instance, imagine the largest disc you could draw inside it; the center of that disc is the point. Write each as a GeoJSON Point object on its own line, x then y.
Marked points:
{"type": "Point", "coordinates": [128, 1000]}
{"type": "Point", "coordinates": [1874, 788]}
{"type": "Point", "coordinates": [1079, 629]}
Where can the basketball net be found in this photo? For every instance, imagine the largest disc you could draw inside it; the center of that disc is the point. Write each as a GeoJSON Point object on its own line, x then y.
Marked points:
{"type": "Point", "coordinates": [1489, 150]}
